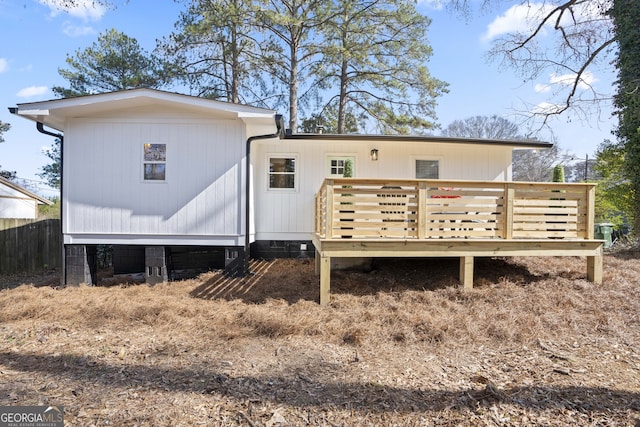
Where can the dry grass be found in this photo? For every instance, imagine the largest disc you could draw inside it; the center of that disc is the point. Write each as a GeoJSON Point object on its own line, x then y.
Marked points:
{"type": "Point", "coordinates": [533, 344]}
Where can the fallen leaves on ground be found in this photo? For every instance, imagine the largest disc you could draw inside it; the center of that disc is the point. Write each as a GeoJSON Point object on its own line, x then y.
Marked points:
{"type": "Point", "coordinates": [534, 343]}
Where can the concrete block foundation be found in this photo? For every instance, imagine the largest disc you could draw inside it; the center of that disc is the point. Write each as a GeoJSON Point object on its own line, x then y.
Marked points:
{"type": "Point", "coordinates": [80, 265]}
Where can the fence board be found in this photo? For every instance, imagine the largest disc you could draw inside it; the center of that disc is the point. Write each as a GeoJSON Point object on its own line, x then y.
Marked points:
{"type": "Point", "coordinates": [29, 245]}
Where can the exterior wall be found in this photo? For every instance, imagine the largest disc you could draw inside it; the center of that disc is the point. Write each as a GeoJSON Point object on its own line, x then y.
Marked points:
{"type": "Point", "coordinates": [14, 204]}
{"type": "Point", "coordinates": [289, 214]}
{"type": "Point", "coordinates": [106, 200]}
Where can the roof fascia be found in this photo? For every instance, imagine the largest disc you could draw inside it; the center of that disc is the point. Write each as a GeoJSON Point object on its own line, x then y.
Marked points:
{"type": "Point", "coordinates": [140, 93]}
{"type": "Point", "coordinates": [16, 187]}
{"type": "Point", "coordinates": [422, 139]}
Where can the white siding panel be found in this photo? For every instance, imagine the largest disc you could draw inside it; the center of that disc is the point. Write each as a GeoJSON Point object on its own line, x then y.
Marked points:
{"type": "Point", "coordinates": [104, 188]}
{"type": "Point", "coordinates": [15, 204]}
{"type": "Point", "coordinates": [290, 215]}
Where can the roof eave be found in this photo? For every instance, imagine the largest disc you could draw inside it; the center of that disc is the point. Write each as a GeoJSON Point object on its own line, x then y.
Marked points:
{"type": "Point", "coordinates": [28, 193]}
{"type": "Point", "coordinates": [422, 138]}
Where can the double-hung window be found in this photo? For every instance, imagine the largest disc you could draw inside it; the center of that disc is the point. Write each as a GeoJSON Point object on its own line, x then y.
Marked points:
{"type": "Point", "coordinates": [282, 173]}
{"type": "Point", "coordinates": [155, 162]}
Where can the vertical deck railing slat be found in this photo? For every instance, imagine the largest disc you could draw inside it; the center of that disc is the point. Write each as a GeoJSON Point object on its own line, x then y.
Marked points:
{"type": "Point", "coordinates": [509, 195]}
{"type": "Point", "coordinates": [317, 213]}
{"type": "Point", "coordinates": [590, 197]}
{"type": "Point", "coordinates": [422, 210]}
{"type": "Point", "coordinates": [330, 206]}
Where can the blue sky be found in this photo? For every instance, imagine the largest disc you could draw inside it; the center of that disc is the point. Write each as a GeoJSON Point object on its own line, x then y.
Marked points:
{"type": "Point", "coordinates": [37, 37]}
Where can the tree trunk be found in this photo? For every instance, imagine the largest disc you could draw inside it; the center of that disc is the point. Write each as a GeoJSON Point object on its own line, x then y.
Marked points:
{"type": "Point", "coordinates": [293, 89]}
{"type": "Point", "coordinates": [342, 113]}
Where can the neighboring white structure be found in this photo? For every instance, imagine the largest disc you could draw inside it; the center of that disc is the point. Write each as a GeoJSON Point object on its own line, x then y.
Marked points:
{"type": "Point", "coordinates": [16, 202]}
{"type": "Point", "coordinates": [153, 169]}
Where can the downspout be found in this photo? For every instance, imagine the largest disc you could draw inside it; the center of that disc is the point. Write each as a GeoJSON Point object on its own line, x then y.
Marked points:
{"type": "Point", "coordinates": [247, 188]}
{"type": "Point", "coordinates": [41, 129]}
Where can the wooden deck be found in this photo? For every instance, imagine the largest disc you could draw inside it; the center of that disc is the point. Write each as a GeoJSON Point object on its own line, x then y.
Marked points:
{"type": "Point", "coordinates": [466, 219]}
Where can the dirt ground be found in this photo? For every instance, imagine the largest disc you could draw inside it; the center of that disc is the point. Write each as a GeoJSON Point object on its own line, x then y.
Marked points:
{"type": "Point", "coordinates": [533, 344]}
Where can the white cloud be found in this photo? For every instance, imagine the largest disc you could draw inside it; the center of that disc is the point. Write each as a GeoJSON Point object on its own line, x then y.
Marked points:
{"type": "Point", "coordinates": [519, 18]}
{"type": "Point", "coordinates": [586, 81]}
{"type": "Point", "coordinates": [524, 18]}
{"type": "Point", "coordinates": [547, 108]}
{"type": "Point", "coordinates": [542, 88]}
{"type": "Point", "coordinates": [89, 10]}
{"type": "Point", "coordinates": [433, 4]}
{"type": "Point", "coordinates": [32, 91]}
{"type": "Point", "coordinates": [4, 65]}
{"type": "Point", "coordinates": [77, 31]}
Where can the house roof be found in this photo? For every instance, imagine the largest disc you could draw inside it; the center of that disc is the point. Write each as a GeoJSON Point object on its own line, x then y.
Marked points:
{"type": "Point", "coordinates": [54, 113]}
{"type": "Point", "coordinates": [29, 194]}
{"type": "Point", "coordinates": [421, 139]}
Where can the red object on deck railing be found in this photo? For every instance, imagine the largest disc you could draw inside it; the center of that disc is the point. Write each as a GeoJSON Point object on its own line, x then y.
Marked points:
{"type": "Point", "coordinates": [446, 197]}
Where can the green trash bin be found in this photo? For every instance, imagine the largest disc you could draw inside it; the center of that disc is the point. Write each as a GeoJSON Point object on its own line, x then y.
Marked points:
{"type": "Point", "coordinates": [604, 231]}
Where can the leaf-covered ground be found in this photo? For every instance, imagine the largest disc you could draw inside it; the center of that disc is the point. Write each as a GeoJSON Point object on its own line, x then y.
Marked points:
{"type": "Point", "coordinates": [534, 343]}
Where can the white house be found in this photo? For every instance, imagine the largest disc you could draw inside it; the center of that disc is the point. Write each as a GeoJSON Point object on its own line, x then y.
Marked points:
{"type": "Point", "coordinates": [16, 202]}
{"type": "Point", "coordinates": [163, 177]}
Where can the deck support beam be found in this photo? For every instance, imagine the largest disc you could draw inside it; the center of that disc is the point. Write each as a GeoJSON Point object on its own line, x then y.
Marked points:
{"type": "Point", "coordinates": [465, 249]}
{"type": "Point", "coordinates": [325, 279]}
{"type": "Point", "coordinates": [317, 263]}
{"type": "Point", "coordinates": [466, 272]}
{"type": "Point", "coordinates": [594, 269]}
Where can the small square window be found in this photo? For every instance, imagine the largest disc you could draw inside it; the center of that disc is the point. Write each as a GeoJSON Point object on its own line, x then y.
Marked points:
{"type": "Point", "coordinates": [427, 169]}
{"type": "Point", "coordinates": [337, 165]}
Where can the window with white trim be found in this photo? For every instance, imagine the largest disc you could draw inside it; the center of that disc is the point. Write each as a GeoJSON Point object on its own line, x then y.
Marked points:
{"type": "Point", "coordinates": [427, 169]}
{"type": "Point", "coordinates": [154, 162]}
{"type": "Point", "coordinates": [282, 173]}
{"type": "Point", "coordinates": [337, 163]}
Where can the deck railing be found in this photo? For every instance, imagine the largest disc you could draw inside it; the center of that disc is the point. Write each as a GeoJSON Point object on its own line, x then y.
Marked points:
{"type": "Point", "coordinates": [453, 209]}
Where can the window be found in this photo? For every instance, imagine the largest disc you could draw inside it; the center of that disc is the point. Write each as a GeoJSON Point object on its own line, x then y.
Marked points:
{"type": "Point", "coordinates": [427, 169]}
{"type": "Point", "coordinates": [155, 162]}
{"type": "Point", "coordinates": [337, 164]}
{"type": "Point", "coordinates": [282, 173]}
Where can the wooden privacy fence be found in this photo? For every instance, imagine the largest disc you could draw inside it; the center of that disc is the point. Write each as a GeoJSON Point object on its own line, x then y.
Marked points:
{"type": "Point", "coordinates": [453, 209]}
{"type": "Point", "coordinates": [29, 245]}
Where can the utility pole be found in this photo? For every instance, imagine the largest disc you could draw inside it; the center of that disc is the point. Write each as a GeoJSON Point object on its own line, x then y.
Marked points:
{"type": "Point", "coordinates": [586, 167]}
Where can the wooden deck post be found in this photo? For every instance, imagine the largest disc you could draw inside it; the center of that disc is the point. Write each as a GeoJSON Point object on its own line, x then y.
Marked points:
{"type": "Point", "coordinates": [466, 272]}
{"type": "Point", "coordinates": [317, 263]}
{"type": "Point", "coordinates": [325, 279]}
{"type": "Point", "coordinates": [422, 210]}
{"type": "Point", "coordinates": [510, 219]}
{"type": "Point", "coordinates": [509, 195]}
{"type": "Point", "coordinates": [329, 207]}
{"type": "Point", "coordinates": [590, 203]}
{"type": "Point", "coordinates": [594, 269]}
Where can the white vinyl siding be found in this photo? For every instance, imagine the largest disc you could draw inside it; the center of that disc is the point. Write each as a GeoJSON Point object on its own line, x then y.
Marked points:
{"type": "Point", "coordinates": [289, 215]}
{"type": "Point", "coordinates": [104, 194]}
{"type": "Point", "coordinates": [15, 204]}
